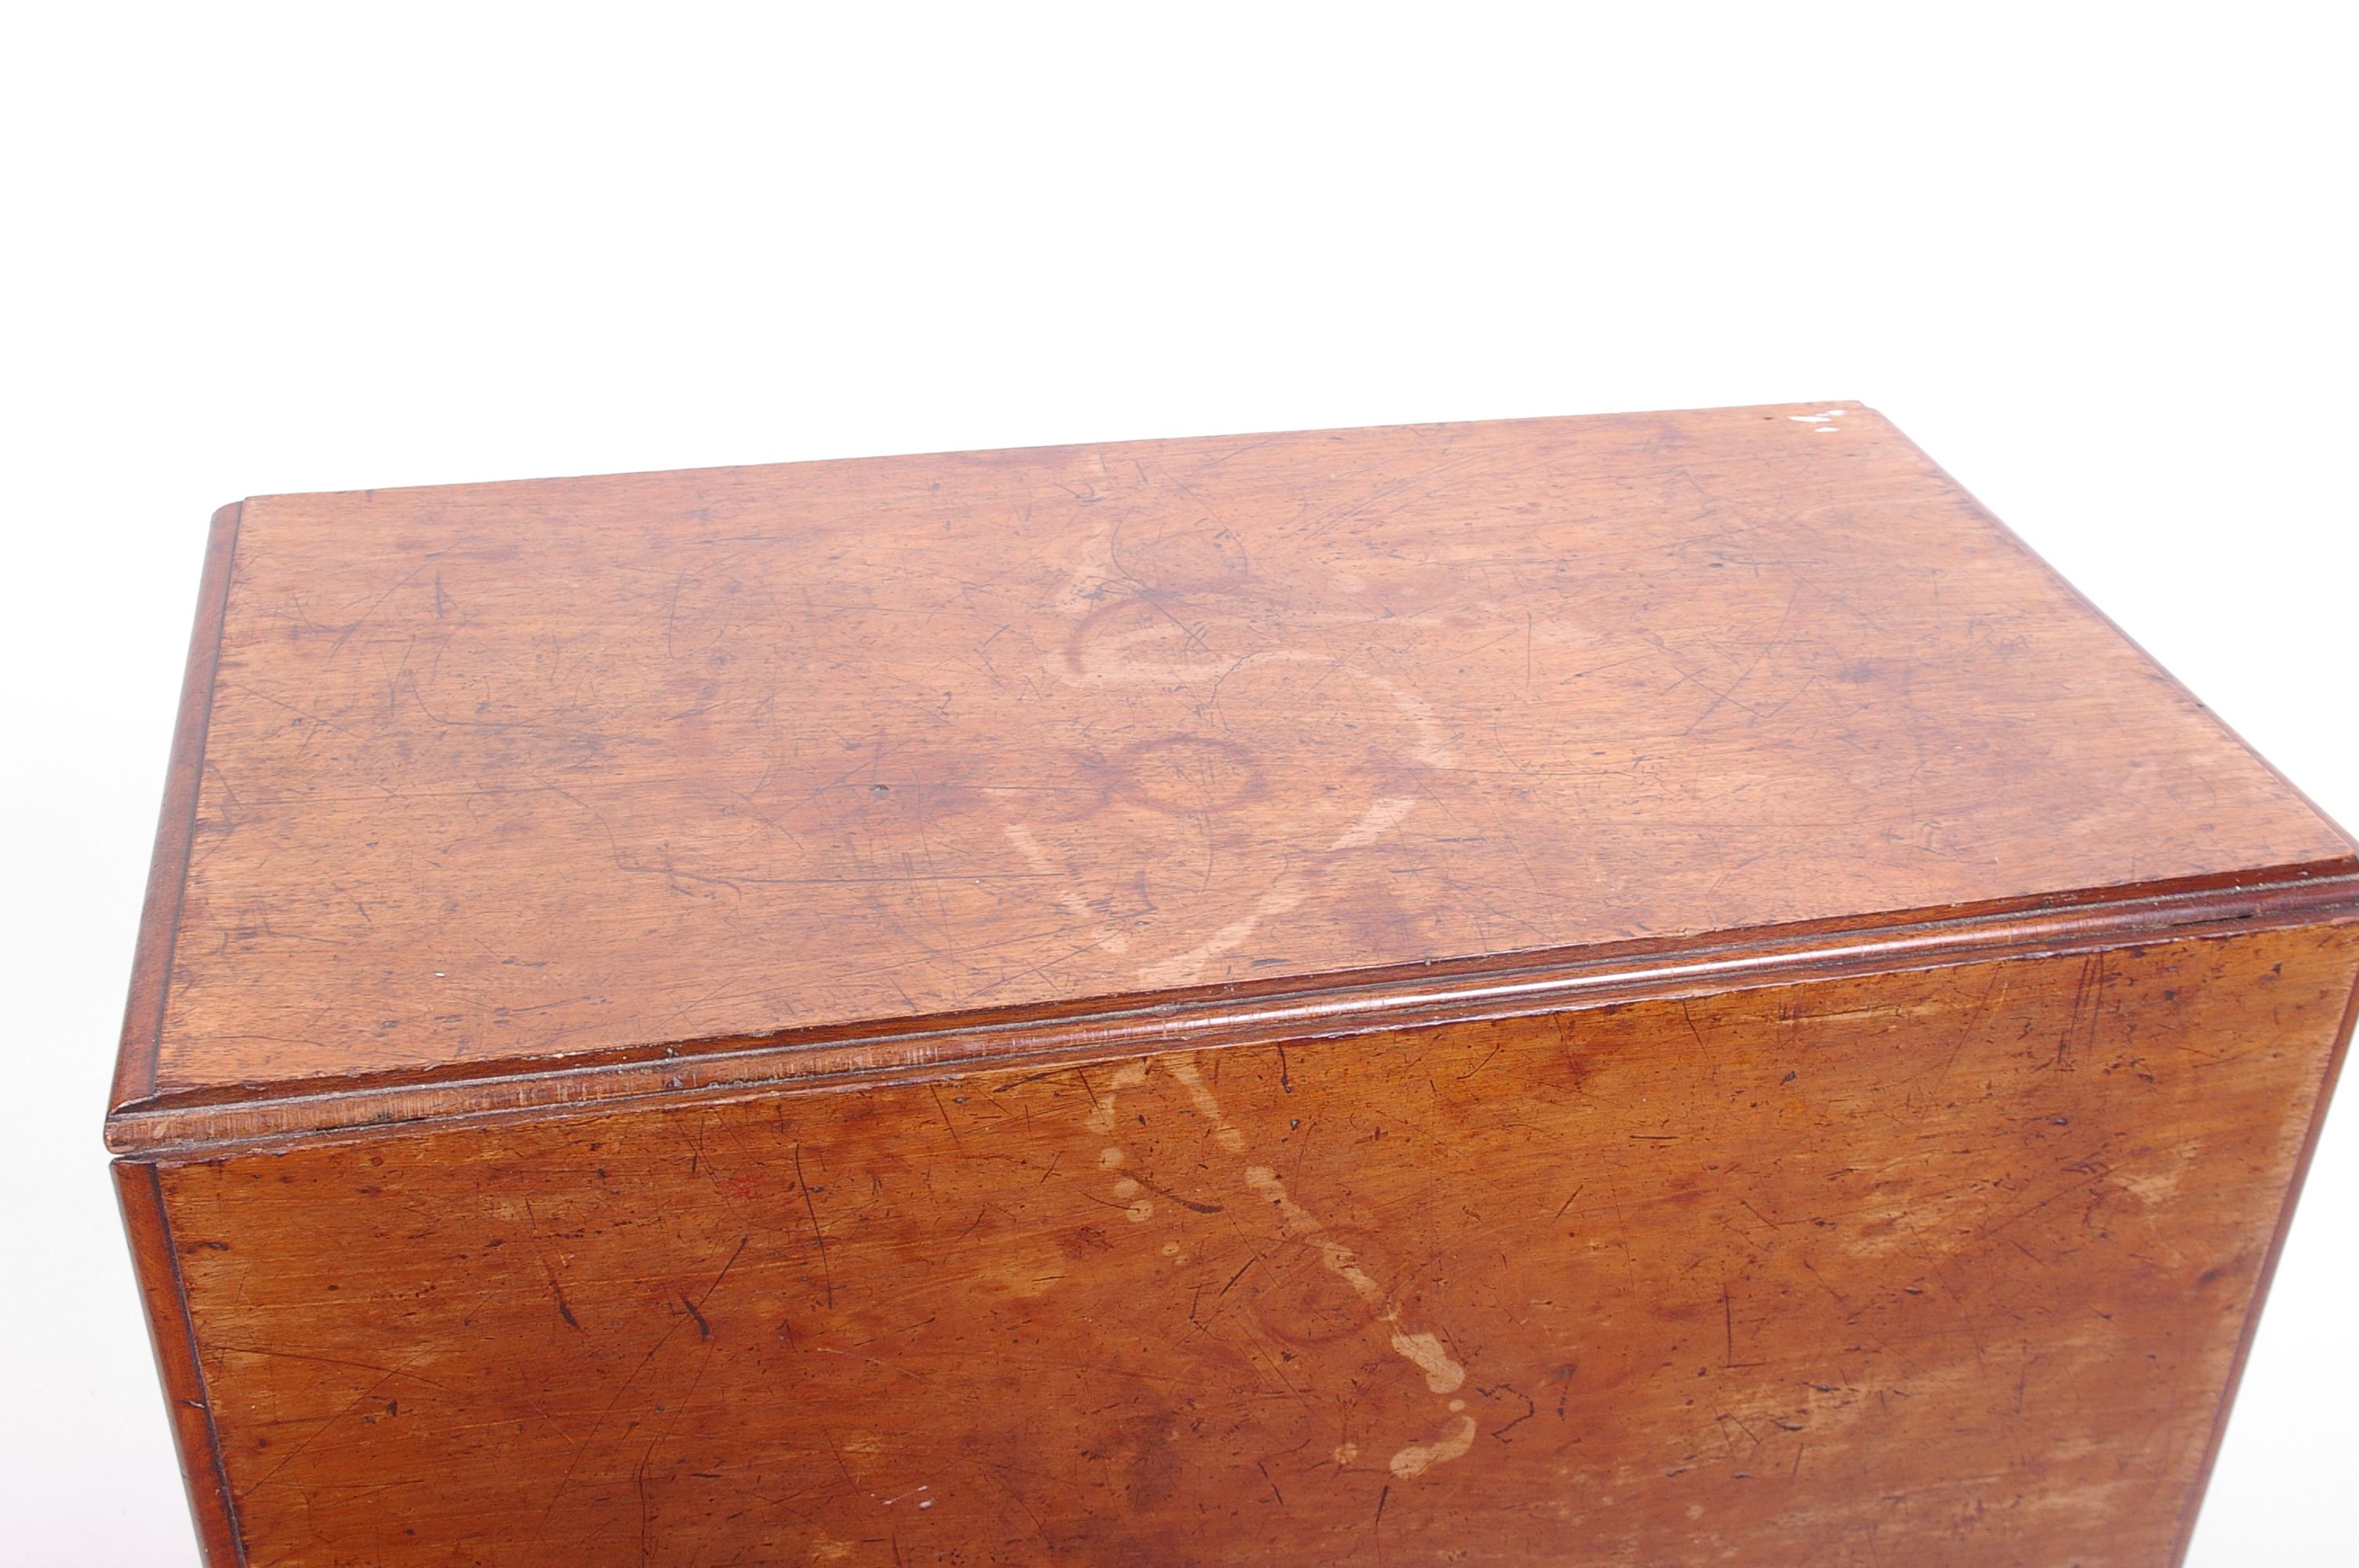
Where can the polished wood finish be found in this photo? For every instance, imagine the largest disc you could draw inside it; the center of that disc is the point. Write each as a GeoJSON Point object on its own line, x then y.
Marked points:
{"type": "Point", "coordinates": [554, 770]}
{"type": "Point", "coordinates": [1946, 1266]}
{"type": "Point", "coordinates": [172, 1333]}
{"type": "Point", "coordinates": [1636, 989]}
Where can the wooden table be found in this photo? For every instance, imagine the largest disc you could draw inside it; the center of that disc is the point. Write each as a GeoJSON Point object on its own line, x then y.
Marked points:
{"type": "Point", "coordinates": [1612, 991]}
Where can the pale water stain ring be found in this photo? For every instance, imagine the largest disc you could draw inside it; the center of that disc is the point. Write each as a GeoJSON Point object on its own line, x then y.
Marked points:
{"type": "Point", "coordinates": [1187, 775]}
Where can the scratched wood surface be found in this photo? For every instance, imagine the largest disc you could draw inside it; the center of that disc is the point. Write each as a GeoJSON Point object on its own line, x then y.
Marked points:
{"type": "Point", "coordinates": [1937, 1267]}
{"type": "Point", "coordinates": [516, 773]}
{"type": "Point", "coordinates": [1622, 991]}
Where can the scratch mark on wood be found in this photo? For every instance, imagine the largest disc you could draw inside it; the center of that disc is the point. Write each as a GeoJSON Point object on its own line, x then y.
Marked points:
{"type": "Point", "coordinates": [827, 1273]}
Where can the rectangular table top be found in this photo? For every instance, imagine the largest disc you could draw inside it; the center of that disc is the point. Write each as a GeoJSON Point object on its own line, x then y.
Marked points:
{"type": "Point", "coordinates": [488, 776]}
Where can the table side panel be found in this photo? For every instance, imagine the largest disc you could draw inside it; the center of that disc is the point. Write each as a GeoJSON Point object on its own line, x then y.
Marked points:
{"type": "Point", "coordinates": [1948, 1264]}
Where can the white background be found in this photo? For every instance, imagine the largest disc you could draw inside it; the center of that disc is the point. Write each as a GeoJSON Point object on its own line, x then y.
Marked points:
{"type": "Point", "coordinates": [2099, 262]}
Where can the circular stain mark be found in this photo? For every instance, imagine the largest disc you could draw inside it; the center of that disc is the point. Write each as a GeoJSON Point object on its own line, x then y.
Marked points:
{"type": "Point", "coordinates": [1299, 1300]}
{"type": "Point", "coordinates": [1187, 775]}
{"type": "Point", "coordinates": [1189, 558]}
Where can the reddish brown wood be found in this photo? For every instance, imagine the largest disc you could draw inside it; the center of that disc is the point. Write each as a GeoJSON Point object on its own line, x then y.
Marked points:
{"type": "Point", "coordinates": [1068, 1006]}
{"type": "Point", "coordinates": [1940, 1266]}
{"type": "Point", "coordinates": [2337, 1057]}
{"type": "Point", "coordinates": [586, 766]}
{"type": "Point", "coordinates": [172, 1334]}
{"type": "Point", "coordinates": [167, 872]}
{"type": "Point", "coordinates": [1618, 972]}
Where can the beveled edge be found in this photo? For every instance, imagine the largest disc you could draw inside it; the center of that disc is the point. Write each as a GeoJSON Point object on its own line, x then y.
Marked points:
{"type": "Point", "coordinates": [2192, 1511]}
{"type": "Point", "coordinates": [175, 825]}
{"type": "Point", "coordinates": [172, 1335]}
{"type": "Point", "coordinates": [1043, 449]}
{"type": "Point", "coordinates": [261, 1117]}
{"type": "Point", "coordinates": [2000, 530]}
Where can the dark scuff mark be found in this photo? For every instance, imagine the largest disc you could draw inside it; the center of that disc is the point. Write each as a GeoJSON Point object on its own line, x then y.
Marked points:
{"type": "Point", "coordinates": [827, 1274]}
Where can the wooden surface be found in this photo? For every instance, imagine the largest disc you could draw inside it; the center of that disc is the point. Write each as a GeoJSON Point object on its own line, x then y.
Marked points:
{"type": "Point", "coordinates": [1626, 990]}
{"type": "Point", "coordinates": [1945, 1266]}
{"type": "Point", "coordinates": [502, 776]}
{"type": "Point", "coordinates": [171, 1332]}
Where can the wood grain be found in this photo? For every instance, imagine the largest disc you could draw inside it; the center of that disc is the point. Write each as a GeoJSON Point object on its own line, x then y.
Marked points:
{"type": "Point", "coordinates": [168, 869]}
{"type": "Point", "coordinates": [172, 1335]}
{"type": "Point", "coordinates": [524, 774]}
{"type": "Point", "coordinates": [248, 1116]}
{"type": "Point", "coordinates": [1931, 1267]}
{"type": "Point", "coordinates": [1622, 990]}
